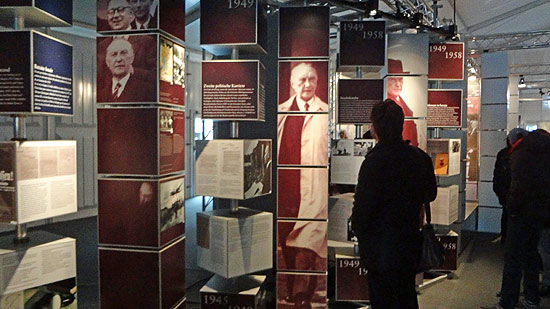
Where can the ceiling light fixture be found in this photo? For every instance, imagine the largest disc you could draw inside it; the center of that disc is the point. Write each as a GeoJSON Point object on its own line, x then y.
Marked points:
{"type": "Point", "coordinates": [521, 82]}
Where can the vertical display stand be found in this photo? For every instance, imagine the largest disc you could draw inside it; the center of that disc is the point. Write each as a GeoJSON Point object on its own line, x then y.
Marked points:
{"type": "Point", "coordinates": [28, 282]}
{"type": "Point", "coordinates": [141, 161]}
{"type": "Point", "coordinates": [234, 169]}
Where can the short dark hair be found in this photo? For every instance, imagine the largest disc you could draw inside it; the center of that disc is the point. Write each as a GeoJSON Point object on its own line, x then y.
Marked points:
{"type": "Point", "coordinates": [387, 120]}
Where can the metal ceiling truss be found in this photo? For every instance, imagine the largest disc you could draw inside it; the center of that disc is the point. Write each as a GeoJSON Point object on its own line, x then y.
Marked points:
{"type": "Point", "coordinates": [510, 41]}
{"type": "Point", "coordinates": [530, 69]}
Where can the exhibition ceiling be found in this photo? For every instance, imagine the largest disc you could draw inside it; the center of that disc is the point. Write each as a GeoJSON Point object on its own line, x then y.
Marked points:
{"type": "Point", "coordinates": [473, 17]}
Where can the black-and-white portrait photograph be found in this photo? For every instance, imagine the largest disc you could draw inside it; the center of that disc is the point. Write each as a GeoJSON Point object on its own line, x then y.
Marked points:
{"type": "Point", "coordinates": [172, 202]}
{"type": "Point", "coordinates": [131, 15]}
{"type": "Point", "coordinates": [126, 71]}
{"type": "Point", "coordinates": [342, 147]}
{"type": "Point", "coordinates": [362, 147]}
{"type": "Point", "coordinates": [257, 168]}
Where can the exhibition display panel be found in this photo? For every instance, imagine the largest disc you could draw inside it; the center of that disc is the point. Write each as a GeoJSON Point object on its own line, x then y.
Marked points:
{"type": "Point", "coordinates": [152, 71]}
{"type": "Point", "coordinates": [37, 13]}
{"type": "Point", "coordinates": [445, 108]}
{"type": "Point", "coordinates": [303, 32]}
{"type": "Point", "coordinates": [339, 214]}
{"type": "Point", "coordinates": [164, 16]}
{"type": "Point", "coordinates": [150, 278]}
{"type": "Point", "coordinates": [233, 169]}
{"type": "Point", "coordinates": [351, 279]}
{"type": "Point", "coordinates": [124, 132]}
{"type": "Point", "coordinates": [243, 292]}
{"type": "Point", "coordinates": [234, 244]}
{"type": "Point", "coordinates": [347, 155]}
{"type": "Point", "coordinates": [445, 207]}
{"type": "Point", "coordinates": [233, 90]}
{"type": "Point", "coordinates": [156, 207]}
{"type": "Point", "coordinates": [47, 262]}
{"type": "Point", "coordinates": [234, 24]}
{"type": "Point", "coordinates": [445, 154]}
{"type": "Point", "coordinates": [141, 88]}
{"type": "Point", "coordinates": [362, 44]}
{"type": "Point", "coordinates": [302, 156]}
{"type": "Point", "coordinates": [356, 97]}
{"type": "Point", "coordinates": [38, 180]}
{"type": "Point", "coordinates": [37, 74]}
{"type": "Point", "coordinates": [446, 61]}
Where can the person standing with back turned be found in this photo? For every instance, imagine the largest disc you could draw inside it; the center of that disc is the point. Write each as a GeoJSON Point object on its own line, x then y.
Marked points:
{"type": "Point", "coordinates": [395, 180]}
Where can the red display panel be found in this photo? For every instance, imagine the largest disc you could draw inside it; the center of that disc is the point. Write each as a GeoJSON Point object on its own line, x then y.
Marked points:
{"type": "Point", "coordinates": [151, 278]}
{"type": "Point", "coordinates": [296, 288]}
{"type": "Point", "coordinates": [302, 193]}
{"type": "Point", "coordinates": [304, 32]}
{"type": "Point", "coordinates": [302, 139]}
{"type": "Point", "coordinates": [446, 61]}
{"type": "Point", "coordinates": [247, 20]}
{"type": "Point", "coordinates": [155, 206]}
{"type": "Point", "coordinates": [302, 245]}
{"type": "Point", "coordinates": [356, 97]}
{"type": "Point", "coordinates": [351, 280]}
{"type": "Point", "coordinates": [450, 244]}
{"type": "Point", "coordinates": [233, 90]}
{"type": "Point", "coordinates": [444, 108]}
{"type": "Point", "coordinates": [140, 141]}
{"type": "Point", "coordinates": [362, 43]}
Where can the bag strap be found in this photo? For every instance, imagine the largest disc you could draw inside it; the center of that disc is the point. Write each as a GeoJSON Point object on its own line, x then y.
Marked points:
{"type": "Point", "coordinates": [428, 213]}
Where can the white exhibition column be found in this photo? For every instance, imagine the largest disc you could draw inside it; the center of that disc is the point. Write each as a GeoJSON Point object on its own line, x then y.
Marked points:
{"type": "Point", "coordinates": [494, 113]}
{"type": "Point", "coordinates": [513, 102]}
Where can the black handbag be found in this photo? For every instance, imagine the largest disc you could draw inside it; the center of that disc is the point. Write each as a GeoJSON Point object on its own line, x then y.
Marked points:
{"type": "Point", "coordinates": [432, 254]}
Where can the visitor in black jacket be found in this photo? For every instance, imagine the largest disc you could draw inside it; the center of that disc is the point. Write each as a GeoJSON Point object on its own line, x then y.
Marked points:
{"type": "Point", "coordinates": [501, 175]}
{"type": "Point", "coordinates": [528, 205]}
{"type": "Point", "coordinates": [394, 181]}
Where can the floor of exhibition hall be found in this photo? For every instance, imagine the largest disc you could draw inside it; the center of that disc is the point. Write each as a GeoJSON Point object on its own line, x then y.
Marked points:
{"type": "Point", "coordinates": [478, 281]}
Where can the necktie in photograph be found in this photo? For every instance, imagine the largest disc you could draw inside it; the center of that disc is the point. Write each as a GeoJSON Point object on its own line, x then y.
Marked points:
{"type": "Point", "coordinates": [115, 92]}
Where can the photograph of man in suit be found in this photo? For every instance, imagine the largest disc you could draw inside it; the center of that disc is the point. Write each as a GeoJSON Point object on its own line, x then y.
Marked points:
{"type": "Point", "coordinates": [120, 15]}
{"type": "Point", "coordinates": [125, 85]}
{"type": "Point", "coordinates": [145, 13]}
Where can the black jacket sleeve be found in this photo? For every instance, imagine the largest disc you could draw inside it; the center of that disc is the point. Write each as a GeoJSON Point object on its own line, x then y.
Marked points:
{"type": "Point", "coordinates": [501, 176]}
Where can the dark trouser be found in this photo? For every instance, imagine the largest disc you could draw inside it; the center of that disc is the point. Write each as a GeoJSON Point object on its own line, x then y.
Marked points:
{"type": "Point", "coordinates": [520, 258]}
{"type": "Point", "coordinates": [393, 289]}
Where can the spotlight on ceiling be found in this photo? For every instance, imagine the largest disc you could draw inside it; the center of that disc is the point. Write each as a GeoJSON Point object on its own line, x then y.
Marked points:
{"type": "Point", "coordinates": [417, 19]}
{"type": "Point", "coordinates": [521, 82]}
{"type": "Point", "coordinates": [373, 13]}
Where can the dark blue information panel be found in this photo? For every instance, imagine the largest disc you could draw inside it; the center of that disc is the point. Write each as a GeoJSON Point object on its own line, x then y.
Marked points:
{"type": "Point", "coordinates": [62, 9]}
{"type": "Point", "coordinates": [15, 75]}
{"type": "Point", "coordinates": [52, 76]}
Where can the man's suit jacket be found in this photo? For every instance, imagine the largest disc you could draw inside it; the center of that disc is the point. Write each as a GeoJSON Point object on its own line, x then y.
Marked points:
{"type": "Point", "coordinates": [152, 22]}
{"type": "Point", "coordinates": [136, 90]}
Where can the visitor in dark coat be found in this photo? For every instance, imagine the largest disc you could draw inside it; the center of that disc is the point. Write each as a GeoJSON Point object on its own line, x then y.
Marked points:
{"type": "Point", "coordinates": [394, 181]}
{"type": "Point", "coordinates": [501, 175]}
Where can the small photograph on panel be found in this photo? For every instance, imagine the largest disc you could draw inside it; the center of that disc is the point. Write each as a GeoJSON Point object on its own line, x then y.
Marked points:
{"type": "Point", "coordinates": [8, 210]}
{"type": "Point", "coordinates": [179, 65]}
{"type": "Point", "coordinates": [166, 61]}
{"type": "Point", "coordinates": [127, 15]}
{"type": "Point", "coordinates": [409, 92]}
{"type": "Point", "coordinates": [302, 193]}
{"type": "Point", "coordinates": [126, 69]}
{"type": "Point", "coordinates": [361, 148]}
{"type": "Point", "coordinates": [303, 86]}
{"type": "Point", "coordinates": [300, 290]}
{"type": "Point", "coordinates": [302, 245]}
{"type": "Point", "coordinates": [342, 147]}
{"type": "Point", "coordinates": [172, 202]}
{"type": "Point", "coordinates": [302, 139]}
{"type": "Point", "coordinates": [304, 32]}
{"type": "Point", "coordinates": [257, 168]}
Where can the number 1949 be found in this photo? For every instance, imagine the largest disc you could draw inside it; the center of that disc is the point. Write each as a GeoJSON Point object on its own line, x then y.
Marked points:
{"type": "Point", "coordinates": [245, 4]}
